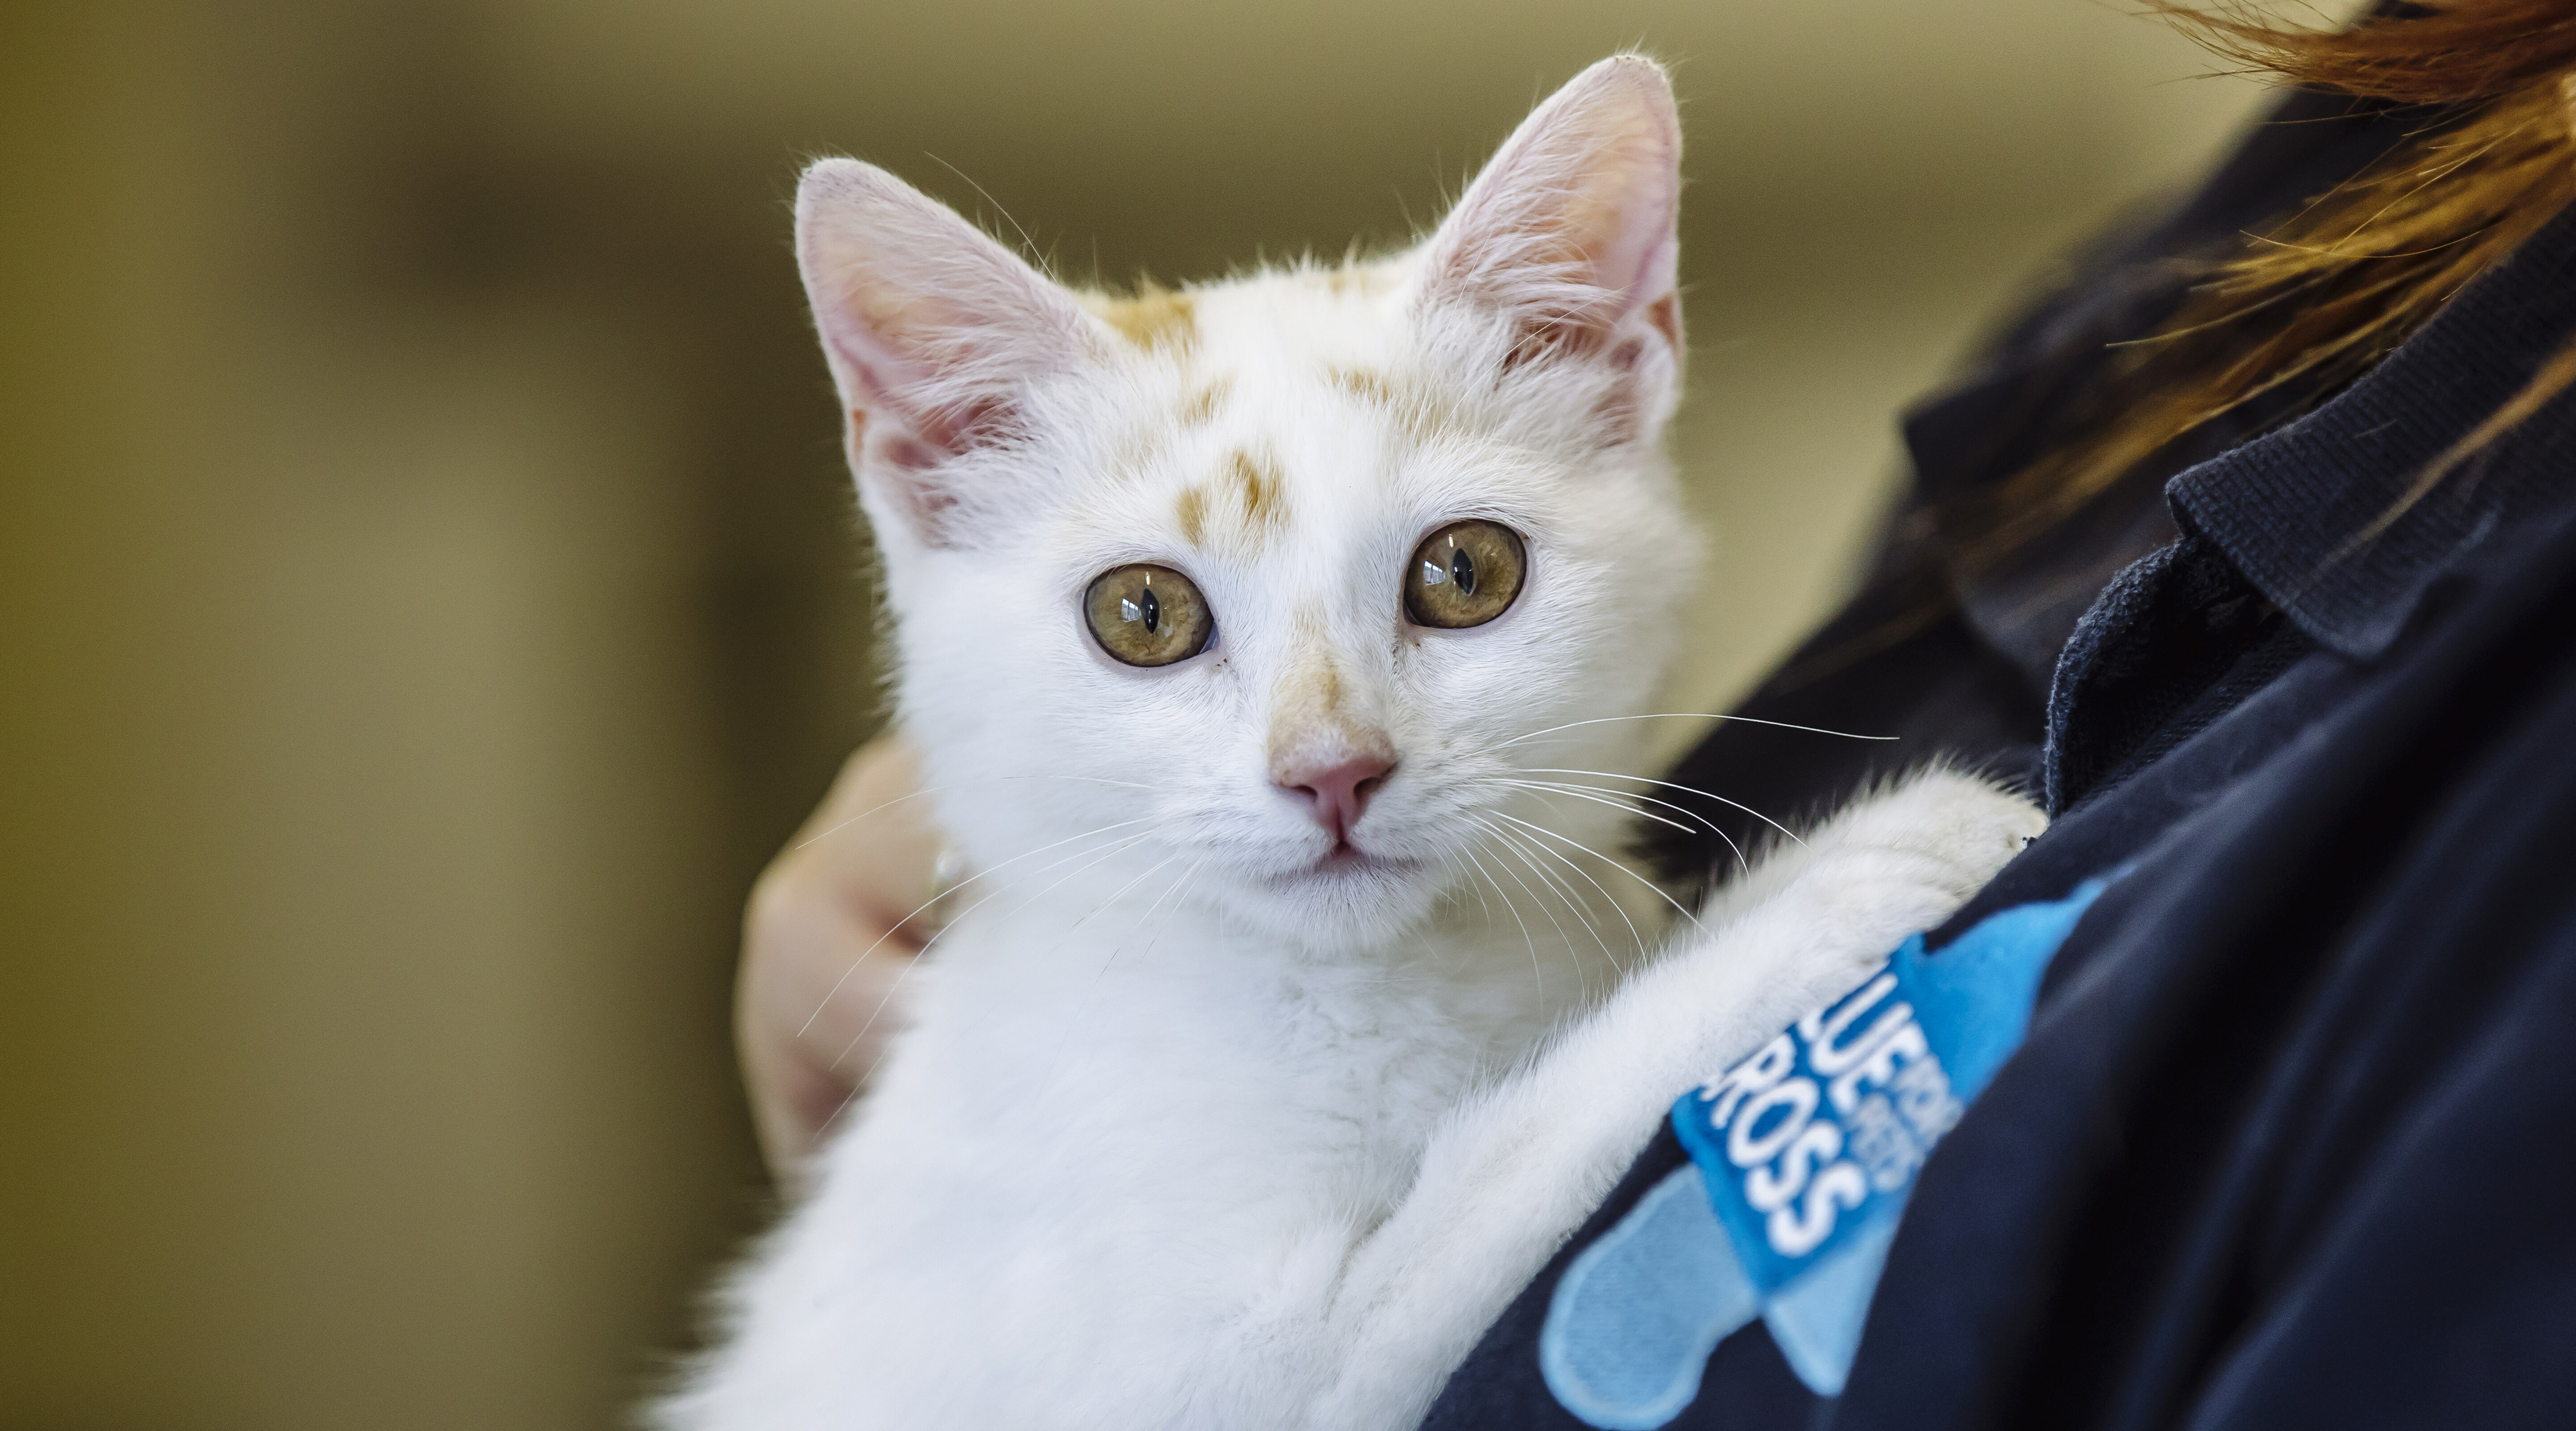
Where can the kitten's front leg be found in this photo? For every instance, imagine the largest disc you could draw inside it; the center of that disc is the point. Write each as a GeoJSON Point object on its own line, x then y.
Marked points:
{"type": "Point", "coordinates": [1514, 1172]}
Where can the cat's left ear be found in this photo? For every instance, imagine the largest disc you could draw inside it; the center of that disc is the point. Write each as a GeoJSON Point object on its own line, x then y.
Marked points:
{"type": "Point", "coordinates": [1571, 230]}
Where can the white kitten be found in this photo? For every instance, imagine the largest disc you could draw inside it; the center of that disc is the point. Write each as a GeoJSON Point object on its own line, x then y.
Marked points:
{"type": "Point", "coordinates": [1225, 1104]}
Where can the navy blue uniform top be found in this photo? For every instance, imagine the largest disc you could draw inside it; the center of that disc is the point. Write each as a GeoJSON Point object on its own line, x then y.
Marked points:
{"type": "Point", "coordinates": [2292, 1137]}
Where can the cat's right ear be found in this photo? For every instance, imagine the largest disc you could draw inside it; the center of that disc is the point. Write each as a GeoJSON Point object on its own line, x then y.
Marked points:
{"type": "Point", "coordinates": [934, 334]}
{"type": "Point", "coordinates": [1570, 231]}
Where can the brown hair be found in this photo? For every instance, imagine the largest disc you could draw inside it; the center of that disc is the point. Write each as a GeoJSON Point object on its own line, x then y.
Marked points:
{"type": "Point", "coordinates": [2296, 313]}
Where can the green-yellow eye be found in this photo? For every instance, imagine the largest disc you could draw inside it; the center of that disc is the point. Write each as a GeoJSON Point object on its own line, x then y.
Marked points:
{"type": "Point", "coordinates": [1148, 615]}
{"type": "Point", "coordinates": [1465, 574]}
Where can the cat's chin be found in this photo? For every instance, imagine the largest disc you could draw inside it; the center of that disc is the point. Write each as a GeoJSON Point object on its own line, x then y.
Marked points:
{"type": "Point", "coordinates": [1346, 899]}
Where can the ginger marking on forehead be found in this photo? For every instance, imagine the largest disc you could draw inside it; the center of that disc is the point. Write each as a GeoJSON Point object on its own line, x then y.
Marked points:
{"type": "Point", "coordinates": [1364, 385]}
{"type": "Point", "coordinates": [1414, 409]}
{"type": "Point", "coordinates": [1250, 494]}
{"type": "Point", "coordinates": [1155, 318]}
{"type": "Point", "coordinates": [1367, 280]}
{"type": "Point", "coordinates": [1265, 491]}
{"type": "Point", "coordinates": [1200, 406]}
{"type": "Point", "coordinates": [1362, 280]}
{"type": "Point", "coordinates": [1146, 440]}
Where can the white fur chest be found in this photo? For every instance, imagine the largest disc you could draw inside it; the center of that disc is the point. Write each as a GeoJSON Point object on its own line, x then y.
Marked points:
{"type": "Point", "coordinates": [1167, 1066]}
{"type": "Point", "coordinates": [1107, 1169]}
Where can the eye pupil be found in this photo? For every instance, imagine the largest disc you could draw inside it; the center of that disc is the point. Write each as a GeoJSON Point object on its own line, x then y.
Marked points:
{"type": "Point", "coordinates": [1463, 568]}
{"type": "Point", "coordinates": [1153, 612]}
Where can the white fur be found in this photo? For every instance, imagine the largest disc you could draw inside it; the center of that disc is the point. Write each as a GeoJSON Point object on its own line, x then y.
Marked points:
{"type": "Point", "coordinates": [1187, 1130]}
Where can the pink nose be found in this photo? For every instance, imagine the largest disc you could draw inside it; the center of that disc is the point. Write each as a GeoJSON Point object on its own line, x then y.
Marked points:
{"type": "Point", "coordinates": [1339, 792]}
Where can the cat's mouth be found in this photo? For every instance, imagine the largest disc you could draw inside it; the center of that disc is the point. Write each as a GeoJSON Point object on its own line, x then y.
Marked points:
{"type": "Point", "coordinates": [1348, 861]}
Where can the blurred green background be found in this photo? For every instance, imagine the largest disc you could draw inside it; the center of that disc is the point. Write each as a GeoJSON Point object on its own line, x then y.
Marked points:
{"type": "Point", "coordinates": [428, 589]}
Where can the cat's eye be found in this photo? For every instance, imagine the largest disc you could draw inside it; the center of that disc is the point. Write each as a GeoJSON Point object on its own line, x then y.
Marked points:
{"type": "Point", "coordinates": [1464, 574]}
{"type": "Point", "coordinates": [1148, 615]}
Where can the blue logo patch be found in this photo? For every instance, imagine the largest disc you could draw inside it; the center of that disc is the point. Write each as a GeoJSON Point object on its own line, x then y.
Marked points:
{"type": "Point", "coordinates": [1803, 1155]}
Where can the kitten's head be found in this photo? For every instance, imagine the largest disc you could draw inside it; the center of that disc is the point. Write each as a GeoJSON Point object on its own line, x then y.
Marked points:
{"type": "Point", "coordinates": [1266, 589]}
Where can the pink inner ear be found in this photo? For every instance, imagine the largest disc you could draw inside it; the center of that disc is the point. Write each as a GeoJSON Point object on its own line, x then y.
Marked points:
{"type": "Point", "coordinates": [927, 321]}
{"type": "Point", "coordinates": [941, 418]}
{"type": "Point", "coordinates": [934, 332]}
{"type": "Point", "coordinates": [1574, 219]}
{"type": "Point", "coordinates": [906, 469]}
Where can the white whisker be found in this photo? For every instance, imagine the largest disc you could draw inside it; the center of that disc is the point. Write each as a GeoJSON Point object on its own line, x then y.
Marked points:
{"type": "Point", "coordinates": [934, 899]}
{"type": "Point", "coordinates": [1555, 882]}
{"type": "Point", "coordinates": [1534, 899]}
{"type": "Point", "coordinates": [1104, 904]}
{"type": "Point", "coordinates": [1535, 972]}
{"type": "Point", "coordinates": [1607, 897]}
{"type": "Point", "coordinates": [1183, 878]}
{"type": "Point", "coordinates": [1685, 789]}
{"type": "Point", "coordinates": [1452, 862]}
{"type": "Point", "coordinates": [954, 785]}
{"type": "Point", "coordinates": [1684, 715]}
{"type": "Point", "coordinates": [1514, 846]}
{"type": "Point", "coordinates": [1620, 804]}
{"type": "Point", "coordinates": [1116, 848]}
{"type": "Point", "coordinates": [1614, 864]}
{"type": "Point", "coordinates": [1110, 850]}
{"type": "Point", "coordinates": [1573, 897]}
{"type": "Point", "coordinates": [1569, 788]}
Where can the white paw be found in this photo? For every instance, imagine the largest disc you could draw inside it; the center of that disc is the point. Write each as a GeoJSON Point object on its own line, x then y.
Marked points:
{"type": "Point", "coordinates": [1966, 825]}
{"type": "Point", "coordinates": [1905, 859]}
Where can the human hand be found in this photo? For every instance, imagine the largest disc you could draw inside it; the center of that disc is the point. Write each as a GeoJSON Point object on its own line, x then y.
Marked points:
{"type": "Point", "coordinates": [824, 946]}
